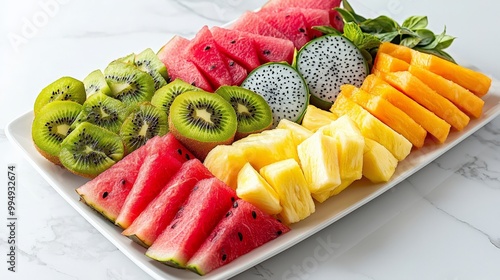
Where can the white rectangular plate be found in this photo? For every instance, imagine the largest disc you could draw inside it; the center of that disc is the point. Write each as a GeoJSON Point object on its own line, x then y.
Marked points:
{"type": "Point", "coordinates": [65, 183]}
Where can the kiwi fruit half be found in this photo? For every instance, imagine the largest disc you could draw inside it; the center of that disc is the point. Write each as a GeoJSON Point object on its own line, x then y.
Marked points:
{"type": "Point", "coordinates": [51, 126]}
{"type": "Point", "coordinates": [201, 121]}
{"type": "Point", "coordinates": [64, 88]}
{"type": "Point", "coordinates": [129, 84]}
{"type": "Point", "coordinates": [103, 111]}
{"type": "Point", "coordinates": [144, 122]}
{"type": "Point", "coordinates": [95, 82]}
{"type": "Point", "coordinates": [89, 150]}
{"type": "Point", "coordinates": [253, 112]}
{"type": "Point", "coordinates": [164, 97]}
{"type": "Point", "coordinates": [148, 62]}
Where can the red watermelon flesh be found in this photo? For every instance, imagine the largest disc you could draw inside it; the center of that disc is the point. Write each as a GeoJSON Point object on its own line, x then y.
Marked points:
{"type": "Point", "coordinates": [179, 67]}
{"type": "Point", "coordinates": [244, 228]}
{"type": "Point", "coordinates": [203, 52]}
{"type": "Point", "coordinates": [272, 49]}
{"type": "Point", "coordinates": [161, 211]}
{"type": "Point", "coordinates": [291, 23]}
{"type": "Point", "coordinates": [251, 22]}
{"type": "Point", "coordinates": [314, 17]}
{"type": "Point", "coordinates": [205, 207]}
{"type": "Point", "coordinates": [165, 157]}
{"type": "Point", "coordinates": [107, 192]}
{"type": "Point", "coordinates": [238, 72]}
{"type": "Point", "coordinates": [236, 47]}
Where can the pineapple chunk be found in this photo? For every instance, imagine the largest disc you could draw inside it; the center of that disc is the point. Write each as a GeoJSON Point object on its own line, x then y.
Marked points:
{"type": "Point", "coordinates": [225, 162]}
{"type": "Point", "coordinates": [288, 181]}
{"type": "Point", "coordinates": [268, 147]}
{"type": "Point", "coordinates": [378, 163]}
{"type": "Point", "coordinates": [254, 189]}
{"type": "Point", "coordinates": [299, 132]}
{"type": "Point", "coordinates": [320, 163]}
{"type": "Point", "coordinates": [315, 118]}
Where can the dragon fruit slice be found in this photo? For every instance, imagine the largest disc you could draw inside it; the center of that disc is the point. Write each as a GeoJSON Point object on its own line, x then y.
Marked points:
{"type": "Point", "coordinates": [282, 87]}
{"type": "Point", "coordinates": [328, 62]}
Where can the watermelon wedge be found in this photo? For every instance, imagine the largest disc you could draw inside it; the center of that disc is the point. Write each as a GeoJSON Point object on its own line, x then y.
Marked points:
{"type": "Point", "coordinates": [291, 23]}
{"type": "Point", "coordinates": [244, 228]}
{"type": "Point", "coordinates": [165, 157]}
{"type": "Point", "coordinates": [238, 72]}
{"type": "Point", "coordinates": [314, 17]}
{"type": "Point", "coordinates": [251, 22]}
{"type": "Point", "coordinates": [161, 211]}
{"type": "Point", "coordinates": [204, 208]}
{"type": "Point", "coordinates": [179, 67]}
{"type": "Point", "coordinates": [236, 47]}
{"type": "Point", "coordinates": [270, 49]}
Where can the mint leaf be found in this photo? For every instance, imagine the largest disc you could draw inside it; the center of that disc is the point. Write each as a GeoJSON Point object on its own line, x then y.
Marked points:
{"type": "Point", "coordinates": [327, 30]}
{"type": "Point", "coordinates": [353, 33]}
{"type": "Point", "coordinates": [381, 24]}
{"type": "Point", "coordinates": [445, 42]}
{"type": "Point", "coordinates": [415, 22]}
{"type": "Point", "coordinates": [349, 8]}
{"type": "Point", "coordinates": [410, 42]}
{"type": "Point", "coordinates": [426, 36]}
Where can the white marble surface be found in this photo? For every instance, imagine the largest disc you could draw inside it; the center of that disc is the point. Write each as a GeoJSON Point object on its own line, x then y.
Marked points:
{"type": "Point", "coordinates": [441, 223]}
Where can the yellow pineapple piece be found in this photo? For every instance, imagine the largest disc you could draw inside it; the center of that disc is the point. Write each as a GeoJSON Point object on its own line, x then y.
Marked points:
{"type": "Point", "coordinates": [254, 189]}
{"type": "Point", "coordinates": [261, 149]}
{"type": "Point", "coordinates": [288, 181]}
{"type": "Point", "coordinates": [378, 163]}
{"type": "Point", "coordinates": [320, 163]}
{"type": "Point", "coordinates": [299, 132]}
{"type": "Point", "coordinates": [225, 162]}
{"type": "Point", "coordinates": [315, 118]}
{"type": "Point", "coordinates": [371, 127]}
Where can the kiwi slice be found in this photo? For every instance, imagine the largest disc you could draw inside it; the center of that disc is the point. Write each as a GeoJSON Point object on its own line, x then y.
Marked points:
{"type": "Point", "coordinates": [89, 150]}
{"type": "Point", "coordinates": [103, 111]}
{"type": "Point", "coordinates": [64, 88]}
{"type": "Point", "coordinates": [148, 62]}
{"type": "Point", "coordinates": [129, 84]}
{"type": "Point", "coordinates": [253, 112]}
{"type": "Point", "coordinates": [51, 125]}
{"type": "Point", "coordinates": [164, 97]}
{"type": "Point", "coordinates": [95, 82]}
{"type": "Point", "coordinates": [143, 123]}
{"type": "Point", "coordinates": [201, 121]}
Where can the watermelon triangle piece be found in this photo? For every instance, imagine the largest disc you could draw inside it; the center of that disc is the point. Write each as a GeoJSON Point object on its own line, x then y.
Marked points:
{"type": "Point", "coordinates": [179, 67]}
{"type": "Point", "coordinates": [244, 228]}
{"type": "Point", "coordinates": [161, 211]}
{"type": "Point", "coordinates": [164, 158]}
{"type": "Point", "coordinates": [238, 72]}
{"type": "Point", "coordinates": [289, 22]}
{"type": "Point", "coordinates": [239, 48]}
{"type": "Point", "coordinates": [204, 208]}
{"type": "Point", "coordinates": [203, 52]}
{"type": "Point", "coordinates": [270, 49]}
{"type": "Point", "coordinates": [313, 17]}
{"type": "Point", "coordinates": [251, 22]}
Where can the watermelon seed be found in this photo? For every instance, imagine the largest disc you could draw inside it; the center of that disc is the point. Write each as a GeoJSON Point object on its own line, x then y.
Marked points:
{"type": "Point", "coordinates": [228, 214]}
{"type": "Point", "coordinates": [235, 204]}
{"type": "Point", "coordinates": [123, 181]}
{"type": "Point", "coordinates": [195, 188]}
{"type": "Point", "coordinates": [207, 48]}
{"type": "Point", "coordinates": [179, 151]}
{"type": "Point", "coordinates": [233, 199]}
{"type": "Point", "coordinates": [267, 52]}
{"type": "Point", "coordinates": [188, 157]}
{"type": "Point", "coordinates": [224, 257]}
{"type": "Point", "coordinates": [279, 232]}
{"type": "Point", "coordinates": [233, 42]}
{"type": "Point", "coordinates": [254, 214]}
{"type": "Point", "coordinates": [302, 30]}
{"type": "Point", "coordinates": [105, 194]}
{"type": "Point", "coordinates": [240, 236]}
{"type": "Point", "coordinates": [174, 225]}
{"type": "Point", "coordinates": [231, 63]}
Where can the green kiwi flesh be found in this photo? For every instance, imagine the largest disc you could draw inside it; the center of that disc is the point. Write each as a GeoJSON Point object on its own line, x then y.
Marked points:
{"type": "Point", "coordinates": [201, 121]}
{"type": "Point", "coordinates": [253, 112]}
{"type": "Point", "coordinates": [164, 97]}
{"type": "Point", "coordinates": [64, 88]}
{"type": "Point", "coordinates": [148, 62]}
{"type": "Point", "coordinates": [128, 59]}
{"type": "Point", "coordinates": [103, 111]}
{"type": "Point", "coordinates": [129, 84]}
{"type": "Point", "coordinates": [143, 123]}
{"type": "Point", "coordinates": [52, 125]}
{"type": "Point", "coordinates": [89, 150]}
{"type": "Point", "coordinates": [95, 82]}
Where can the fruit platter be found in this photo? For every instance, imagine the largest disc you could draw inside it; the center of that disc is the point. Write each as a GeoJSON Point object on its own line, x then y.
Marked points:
{"type": "Point", "coordinates": [258, 135]}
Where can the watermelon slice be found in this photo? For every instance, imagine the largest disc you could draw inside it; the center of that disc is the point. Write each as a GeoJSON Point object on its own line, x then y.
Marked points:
{"type": "Point", "coordinates": [272, 49]}
{"type": "Point", "coordinates": [165, 157]}
{"type": "Point", "coordinates": [204, 208]}
{"type": "Point", "coordinates": [291, 23]}
{"type": "Point", "coordinates": [238, 72]}
{"type": "Point", "coordinates": [236, 47]}
{"type": "Point", "coordinates": [244, 228]}
{"type": "Point", "coordinates": [107, 192]}
{"type": "Point", "coordinates": [161, 211]}
{"type": "Point", "coordinates": [251, 22]}
{"type": "Point", "coordinates": [203, 52]}
{"type": "Point", "coordinates": [179, 67]}
{"type": "Point", "coordinates": [314, 17]}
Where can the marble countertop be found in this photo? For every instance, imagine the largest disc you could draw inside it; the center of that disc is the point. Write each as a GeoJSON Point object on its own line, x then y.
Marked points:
{"type": "Point", "coordinates": [440, 223]}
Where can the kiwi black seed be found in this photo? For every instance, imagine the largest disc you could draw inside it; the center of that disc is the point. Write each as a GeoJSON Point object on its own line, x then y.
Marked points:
{"type": "Point", "coordinates": [95, 82]}
{"type": "Point", "coordinates": [164, 97]}
{"type": "Point", "coordinates": [253, 112]}
{"type": "Point", "coordinates": [143, 123]}
{"type": "Point", "coordinates": [129, 84]}
{"type": "Point", "coordinates": [149, 62]}
{"type": "Point", "coordinates": [51, 126]}
{"type": "Point", "coordinates": [103, 111]}
{"type": "Point", "coordinates": [65, 88]}
{"type": "Point", "coordinates": [89, 150]}
{"type": "Point", "coordinates": [201, 121]}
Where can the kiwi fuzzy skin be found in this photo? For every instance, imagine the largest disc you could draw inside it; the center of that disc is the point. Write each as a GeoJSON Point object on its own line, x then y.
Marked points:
{"type": "Point", "coordinates": [52, 158]}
